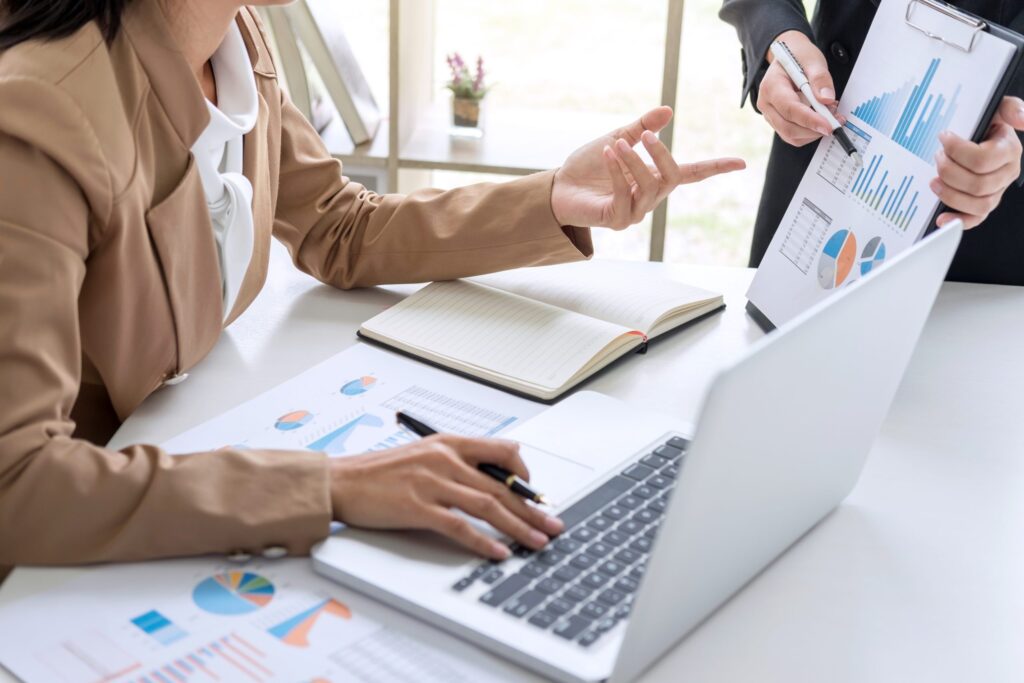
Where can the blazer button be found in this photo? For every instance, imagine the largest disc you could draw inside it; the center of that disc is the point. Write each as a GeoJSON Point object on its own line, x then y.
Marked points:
{"type": "Point", "coordinates": [176, 379]}
{"type": "Point", "coordinates": [840, 53]}
{"type": "Point", "coordinates": [275, 552]}
{"type": "Point", "coordinates": [239, 557]}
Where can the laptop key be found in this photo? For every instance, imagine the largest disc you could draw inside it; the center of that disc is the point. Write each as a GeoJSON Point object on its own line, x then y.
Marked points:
{"type": "Point", "coordinates": [651, 532]}
{"type": "Point", "coordinates": [615, 538]}
{"type": "Point", "coordinates": [550, 557]}
{"type": "Point", "coordinates": [520, 550]}
{"type": "Point", "coordinates": [594, 610]}
{"type": "Point", "coordinates": [492, 576]}
{"type": "Point", "coordinates": [589, 638]}
{"type": "Point", "coordinates": [622, 611]}
{"type": "Point", "coordinates": [645, 516]}
{"type": "Point", "coordinates": [534, 569]}
{"type": "Point", "coordinates": [559, 607]}
{"type": "Point", "coordinates": [672, 471]}
{"type": "Point", "coordinates": [679, 443]}
{"type": "Point", "coordinates": [630, 527]}
{"type": "Point", "coordinates": [645, 492]}
{"type": "Point", "coordinates": [571, 627]}
{"type": "Point", "coordinates": [479, 570]}
{"type": "Point", "coordinates": [462, 584]}
{"type": "Point", "coordinates": [637, 573]}
{"type": "Point", "coordinates": [611, 568]}
{"type": "Point", "coordinates": [626, 585]}
{"type": "Point", "coordinates": [657, 505]}
{"type": "Point", "coordinates": [600, 523]}
{"type": "Point", "coordinates": [549, 586]}
{"type": "Point", "coordinates": [641, 545]}
{"type": "Point", "coordinates": [583, 561]}
{"type": "Point", "coordinates": [653, 461]}
{"type": "Point", "coordinates": [614, 512]}
{"type": "Point", "coordinates": [584, 534]}
{"type": "Point", "coordinates": [611, 597]}
{"type": "Point", "coordinates": [577, 593]}
{"type": "Point", "coordinates": [626, 556]}
{"type": "Point", "coordinates": [566, 573]}
{"type": "Point", "coordinates": [629, 502]}
{"type": "Point", "coordinates": [505, 590]}
{"type": "Point", "coordinates": [659, 482]}
{"type": "Point", "coordinates": [668, 452]}
{"type": "Point", "coordinates": [638, 472]}
{"type": "Point", "coordinates": [598, 549]}
{"type": "Point", "coordinates": [566, 545]}
{"type": "Point", "coordinates": [606, 624]}
{"type": "Point", "coordinates": [543, 619]}
{"type": "Point", "coordinates": [523, 603]}
{"type": "Point", "coordinates": [594, 580]}
{"type": "Point", "coordinates": [595, 500]}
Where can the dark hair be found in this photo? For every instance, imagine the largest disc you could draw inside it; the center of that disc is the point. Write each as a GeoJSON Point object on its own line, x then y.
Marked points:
{"type": "Point", "coordinates": [22, 20]}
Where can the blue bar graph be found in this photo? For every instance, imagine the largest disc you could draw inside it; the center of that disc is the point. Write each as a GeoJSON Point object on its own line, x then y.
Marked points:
{"type": "Point", "coordinates": [159, 627]}
{"type": "Point", "coordinates": [886, 198]}
{"type": "Point", "coordinates": [912, 115]}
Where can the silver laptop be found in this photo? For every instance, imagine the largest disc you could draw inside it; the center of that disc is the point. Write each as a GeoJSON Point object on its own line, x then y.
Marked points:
{"type": "Point", "coordinates": [661, 530]}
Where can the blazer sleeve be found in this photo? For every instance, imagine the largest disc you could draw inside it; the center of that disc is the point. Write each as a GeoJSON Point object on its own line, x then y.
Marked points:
{"type": "Point", "coordinates": [758, 23]}
{"type": "Point", "coordinates": [344, 235]}
{"type": "Point", "coordinates": [67, 501]}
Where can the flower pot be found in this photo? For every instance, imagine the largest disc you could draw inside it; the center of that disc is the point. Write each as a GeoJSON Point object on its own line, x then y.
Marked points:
{"type": "Point", "coordinates": [465, 112]}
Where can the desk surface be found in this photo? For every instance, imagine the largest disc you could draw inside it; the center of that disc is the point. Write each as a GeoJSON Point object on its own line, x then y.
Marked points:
{"type": "Point", "coordinates": [919, 575]}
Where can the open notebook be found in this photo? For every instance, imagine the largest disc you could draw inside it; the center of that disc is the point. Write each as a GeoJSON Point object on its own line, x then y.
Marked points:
{"type": "Point", "coordinates": [538, 331]}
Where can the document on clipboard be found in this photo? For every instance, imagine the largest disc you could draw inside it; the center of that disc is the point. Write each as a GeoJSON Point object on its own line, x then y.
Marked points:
{"type": "Point", "coordinates": [925, 67]}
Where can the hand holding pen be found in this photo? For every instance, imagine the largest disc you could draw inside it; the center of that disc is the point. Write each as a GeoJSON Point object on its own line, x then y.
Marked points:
{"type": "Point", "coordinates": [787, 107]}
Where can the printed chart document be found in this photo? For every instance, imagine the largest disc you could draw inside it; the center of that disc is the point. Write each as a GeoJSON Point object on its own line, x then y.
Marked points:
{"type": "Point", "coordinates": [846, 219]}
{"type": "Point", "coordinates": [539, 331]}
{"type": "Point", "coordinates": [198, 621]}
{"type": "Point", "coordinates": [347, 405]}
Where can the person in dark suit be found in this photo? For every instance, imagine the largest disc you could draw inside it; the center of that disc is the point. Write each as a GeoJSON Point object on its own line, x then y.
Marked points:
{"type": "Point", "coordinates": [977, 182]}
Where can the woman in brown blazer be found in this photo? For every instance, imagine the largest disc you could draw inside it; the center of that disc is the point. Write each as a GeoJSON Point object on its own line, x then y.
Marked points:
{"type": "Point", "coordinates": [131, 235]}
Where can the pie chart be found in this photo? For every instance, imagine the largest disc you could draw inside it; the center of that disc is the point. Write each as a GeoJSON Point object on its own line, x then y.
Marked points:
{"type": "Point", "coordinates": [294, 420]}
{"type": "Point", "coordinates": [233, 592]}
{"type": "Point", "coordinates": [837, 260]}
{"type": "Point", "coordinates": [872, 256]}
{"type": "Point", "coordinates": [358, 386]}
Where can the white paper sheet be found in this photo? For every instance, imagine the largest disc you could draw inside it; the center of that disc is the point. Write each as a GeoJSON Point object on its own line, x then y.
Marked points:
{"type": "Point", "coordinates": [347, 404]}
{"type": "Point", "coordinates": [845, 219]}
{"type": "Point", "coordinates": [186, 621]}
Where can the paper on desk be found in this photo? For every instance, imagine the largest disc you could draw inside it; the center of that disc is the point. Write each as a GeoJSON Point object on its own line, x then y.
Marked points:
{"type": "Point", "coordinates": [347, 404]}
{"type": "Point", "coordinates": [197, 620]}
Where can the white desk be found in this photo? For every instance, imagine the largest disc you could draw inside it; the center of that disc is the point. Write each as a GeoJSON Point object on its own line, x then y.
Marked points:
{"type": "Point", "coordinates": [918, 576]}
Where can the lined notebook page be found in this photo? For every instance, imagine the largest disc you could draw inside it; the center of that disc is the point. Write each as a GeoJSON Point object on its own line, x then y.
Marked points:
{"type": "Point", "coordinates": [495, 331]}
{"type": "Point", "coordinates": [615, 292]}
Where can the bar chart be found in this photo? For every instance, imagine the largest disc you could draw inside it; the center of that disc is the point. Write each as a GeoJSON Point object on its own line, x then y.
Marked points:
{"type": "Point", "coordinates": [912, 115]}
{"type": "Point", "coordinates": [890, 200]}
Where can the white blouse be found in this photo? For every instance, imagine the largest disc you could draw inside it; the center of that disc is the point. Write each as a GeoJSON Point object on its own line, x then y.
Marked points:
{"type": "Point", "coordinates": [218, 154]}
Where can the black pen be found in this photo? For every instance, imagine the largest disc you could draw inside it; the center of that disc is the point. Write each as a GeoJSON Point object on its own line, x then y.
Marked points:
{"type": "Point", "coordinates": [509, 479]}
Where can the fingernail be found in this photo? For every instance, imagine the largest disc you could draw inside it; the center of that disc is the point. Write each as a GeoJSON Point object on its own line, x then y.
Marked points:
{"type": "Point", "coordinates": [501, 550]}
{"type": "Point", "coordinates": [825, 130]}
{"type": "Point", "coordinates": [649, 137]}
{"type": "Point", "coordinates": [622, 145]}
{"type": "Point", "coordinates": [945, 136]}
{"type": "Point", "coordinates": [553, 525]}
{"type": "Point", "coordinates": [936, 186]}
{"type": "Point", "coordinates": [537, 539]}
{"type": "Point", "coordinates": [828, 93]}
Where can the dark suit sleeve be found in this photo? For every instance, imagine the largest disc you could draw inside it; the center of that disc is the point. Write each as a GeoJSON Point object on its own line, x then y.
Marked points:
{"type": "Point", "coordinates": [758, 23]}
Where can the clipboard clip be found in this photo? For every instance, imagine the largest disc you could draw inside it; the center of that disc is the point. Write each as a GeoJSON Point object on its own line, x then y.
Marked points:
{"type": "Point", "coordinates": [975, 27]}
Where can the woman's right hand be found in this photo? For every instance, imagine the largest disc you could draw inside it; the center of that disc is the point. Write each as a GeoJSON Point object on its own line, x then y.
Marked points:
{"type": "Point", "coordinates": [423, 486]}
{"type": "Point", "coordinates": [782, 105]}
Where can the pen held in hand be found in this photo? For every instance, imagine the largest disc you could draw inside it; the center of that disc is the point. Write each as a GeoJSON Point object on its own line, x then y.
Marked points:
{"type": "Point", "coordinates": [507, 478]}
{"type": "Point", "coordinates": [784, 56]}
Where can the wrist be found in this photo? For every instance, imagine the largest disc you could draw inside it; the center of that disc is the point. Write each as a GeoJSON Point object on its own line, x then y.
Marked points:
{"type": "Point", "coordinates": [791, 37]}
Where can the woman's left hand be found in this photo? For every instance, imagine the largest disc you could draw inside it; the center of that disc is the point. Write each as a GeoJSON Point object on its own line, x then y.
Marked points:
{"type": "Point", "coordinates": [973, 177]}
{"type": "Point", "coordinates": [606, 183]}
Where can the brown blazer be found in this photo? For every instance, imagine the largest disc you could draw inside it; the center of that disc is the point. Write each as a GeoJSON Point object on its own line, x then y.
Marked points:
{"type": "Point", "coordinates": [109, 287]}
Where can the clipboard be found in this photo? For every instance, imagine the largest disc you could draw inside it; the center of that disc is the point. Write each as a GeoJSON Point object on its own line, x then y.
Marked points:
{"type": "Point", "coordinates": [960, 30]}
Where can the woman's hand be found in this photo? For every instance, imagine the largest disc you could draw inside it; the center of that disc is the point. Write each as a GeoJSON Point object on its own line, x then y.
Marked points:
{"type": "Point", "coordinates": [606, 183]}
{"type": "Point", "coordinates": [420, 486]}
{"type": "Point", "coordinates": [973, 177]}
{"type": "Point", "coordinates": [782, 105]}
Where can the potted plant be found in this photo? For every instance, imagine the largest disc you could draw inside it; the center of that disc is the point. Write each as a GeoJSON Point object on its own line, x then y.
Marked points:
{"type": "Point", "coordinates": [468, 90]}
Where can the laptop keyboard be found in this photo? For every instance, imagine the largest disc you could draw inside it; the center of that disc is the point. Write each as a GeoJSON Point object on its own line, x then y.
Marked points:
{"type": "Point", "coordinates": [583, 584]}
